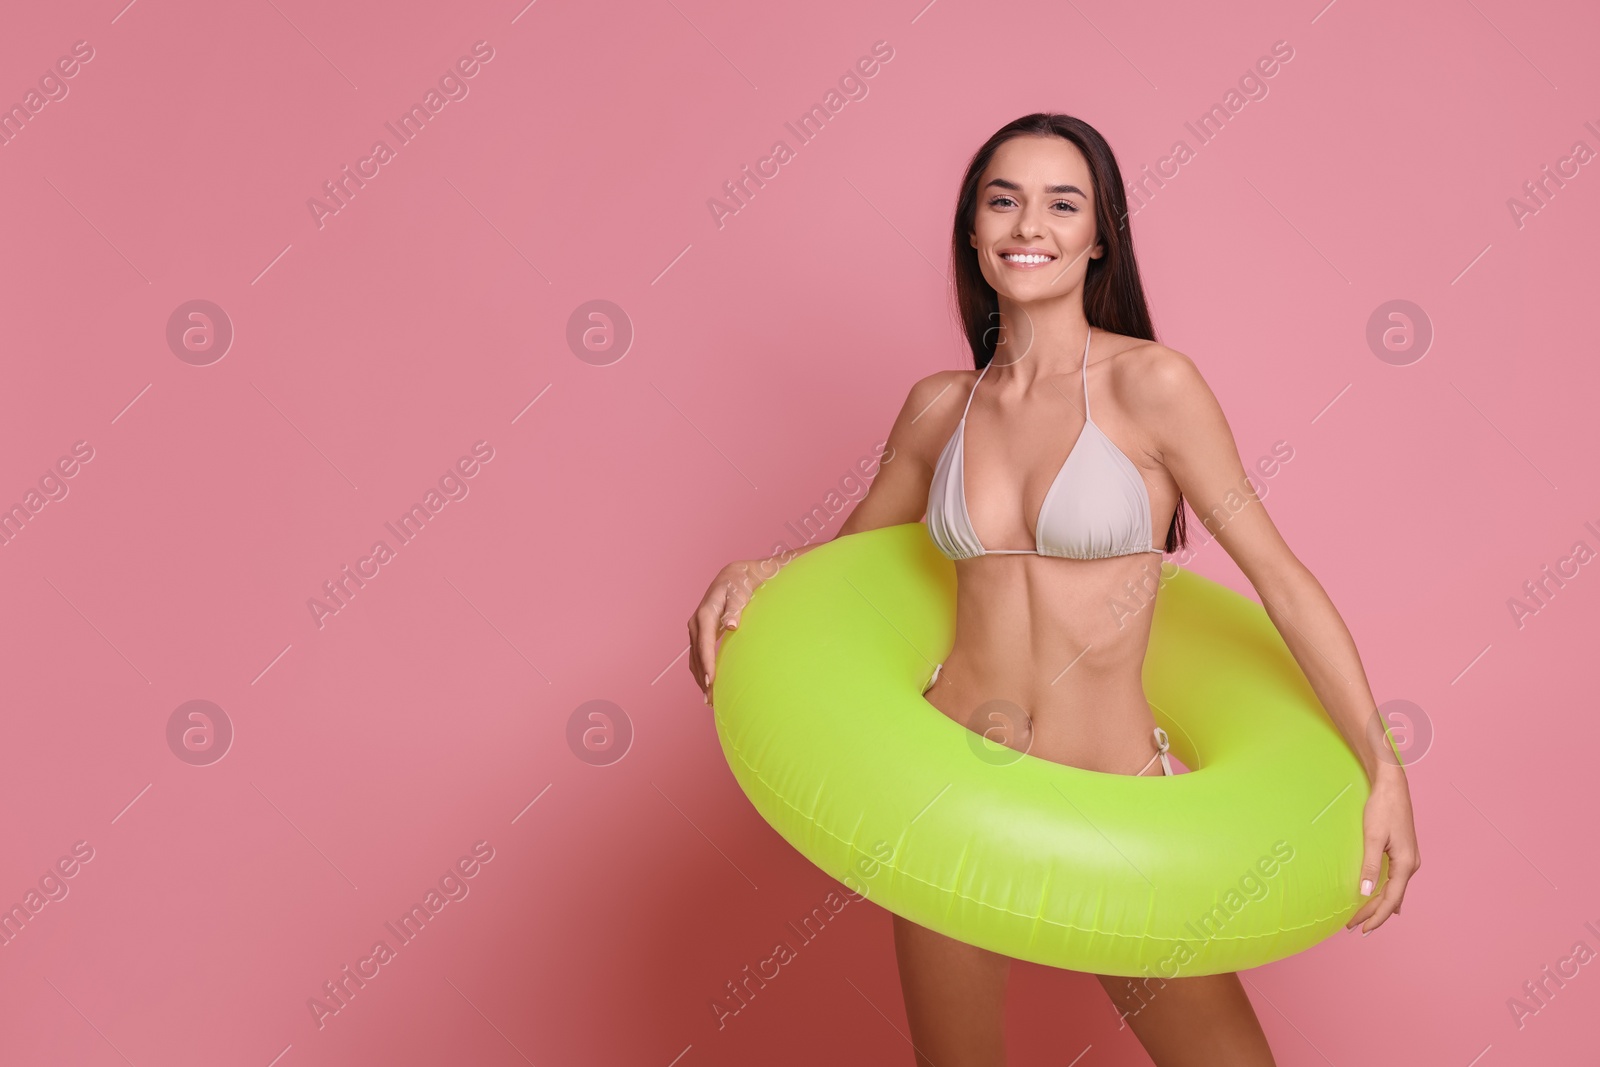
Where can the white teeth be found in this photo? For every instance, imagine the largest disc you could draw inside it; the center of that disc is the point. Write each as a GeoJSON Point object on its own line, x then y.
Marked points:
{"type": "Point", "coordinates": [1012, 258]}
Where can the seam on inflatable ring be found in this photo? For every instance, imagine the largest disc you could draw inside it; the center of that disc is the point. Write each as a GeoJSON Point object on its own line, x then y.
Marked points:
{"type": "Point", "coordinates": [1037, 918]}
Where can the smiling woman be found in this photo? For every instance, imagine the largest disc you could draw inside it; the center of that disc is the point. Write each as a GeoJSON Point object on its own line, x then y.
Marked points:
{"type": "Point", "coordinates": [1079, 435]}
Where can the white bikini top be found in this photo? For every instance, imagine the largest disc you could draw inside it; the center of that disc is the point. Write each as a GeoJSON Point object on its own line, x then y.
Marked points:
{"type": "Point", "coordinates": [1096, 507]}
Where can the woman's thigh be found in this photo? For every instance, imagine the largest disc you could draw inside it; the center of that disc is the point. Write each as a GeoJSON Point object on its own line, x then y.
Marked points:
{"type": "Point", "coordinates": [955, 997]}
{"type": "Point", "coordinates": [1191, 1022]}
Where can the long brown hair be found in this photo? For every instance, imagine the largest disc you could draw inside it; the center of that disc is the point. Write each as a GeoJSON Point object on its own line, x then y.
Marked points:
{"type": "Point", "coordinates": [1113, 295]}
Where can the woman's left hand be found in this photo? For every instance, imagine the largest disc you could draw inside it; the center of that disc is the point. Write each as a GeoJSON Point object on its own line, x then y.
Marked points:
{"type": "Point", "coordinates": [1386, 827]}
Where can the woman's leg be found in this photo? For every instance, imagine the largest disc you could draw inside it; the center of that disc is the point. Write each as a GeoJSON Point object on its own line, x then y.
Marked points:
{"type": "Point", "coordinates": [955, 997]}
{"type": "Point", "coordinates": [1191, 1022]}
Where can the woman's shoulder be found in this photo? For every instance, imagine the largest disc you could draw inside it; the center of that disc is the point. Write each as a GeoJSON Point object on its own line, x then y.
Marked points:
{"type": "Point", "coordinates": [1150, 374]}
{"type": "Point", "coordinates": [930, 413]}
{"type": "Point", "coordinates": [1141, 354]}
{"type": "Point", "coordinates": [937, 391]}
{"type": "Point", "coordinates": [942, 379]}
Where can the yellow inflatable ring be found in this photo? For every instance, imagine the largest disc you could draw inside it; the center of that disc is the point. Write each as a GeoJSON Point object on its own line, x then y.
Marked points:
{"type": "Point", "coordinates": [1252, 856]}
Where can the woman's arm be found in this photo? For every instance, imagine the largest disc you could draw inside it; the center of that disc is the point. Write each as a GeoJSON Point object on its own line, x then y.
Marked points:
{"type": "Point", "coordinates": [898, 494]}
{"type": "Point", "coordinates": [1194, 442]}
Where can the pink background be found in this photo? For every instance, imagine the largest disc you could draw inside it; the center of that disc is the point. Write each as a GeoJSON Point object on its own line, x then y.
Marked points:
{"type": "Point", "coordinates": [432, 311]}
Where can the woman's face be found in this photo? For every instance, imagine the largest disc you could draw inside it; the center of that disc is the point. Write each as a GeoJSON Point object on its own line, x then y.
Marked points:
{"type": "Point", "coordinates": [1034, 226]}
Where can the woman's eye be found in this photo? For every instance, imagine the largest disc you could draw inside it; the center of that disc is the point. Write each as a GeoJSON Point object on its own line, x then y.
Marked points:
{"type": "Point", "coordinates": [1006, 201]}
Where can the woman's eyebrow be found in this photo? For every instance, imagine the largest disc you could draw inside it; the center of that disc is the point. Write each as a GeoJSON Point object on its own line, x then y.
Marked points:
{"type": "Point", "coordinates": [1051, 190]}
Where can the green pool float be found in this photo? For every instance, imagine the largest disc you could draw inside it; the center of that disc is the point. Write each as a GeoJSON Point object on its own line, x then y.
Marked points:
{"type": "Point", "coordinates": [1250, 857]}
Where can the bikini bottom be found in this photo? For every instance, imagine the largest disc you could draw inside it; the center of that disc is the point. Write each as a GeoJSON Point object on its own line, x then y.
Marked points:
{"type": "Point", "coordinates": [1163, 744]}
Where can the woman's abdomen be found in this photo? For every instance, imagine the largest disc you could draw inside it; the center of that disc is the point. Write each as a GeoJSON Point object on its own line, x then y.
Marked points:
{"type": "Point", "coordinates": [1050, 663]}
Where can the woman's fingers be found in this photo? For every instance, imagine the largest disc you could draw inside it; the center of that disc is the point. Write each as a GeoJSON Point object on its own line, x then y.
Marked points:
{"type": "Point", "coordinates": [1361, 914]}
{"type": "Point", "coordinates": [719, 610]}
{"type": "Point", "coordinates": [1373, 844]}
{"type": "Point", "coordinates": [1371, 857]}
{"type": "Point", "coordinates": [738, 596]}
{"type": "Point", "coordinates": [1402, 865]}
{"type": "Point", "coordinates": [1386, 828]}
{"type": "Point", "coordinates": [703, 636]}
{"type": "Point", "coordinates": [1387, 820]}
{"type": "Point", "coordinates": [1393, 890]}
{"type": "Point", "coordinates": [708, 625]}
{"type": "Point", "coordinates": [1373, 914]}
{"type": "Point", "coordinates": [1386, 905]}
{"type": "Point", "coordinates": [705, 644]}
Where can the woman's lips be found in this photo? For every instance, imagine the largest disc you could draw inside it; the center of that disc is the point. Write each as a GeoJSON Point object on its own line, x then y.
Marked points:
{"type": "Point", "coordinates": [1034, 260]}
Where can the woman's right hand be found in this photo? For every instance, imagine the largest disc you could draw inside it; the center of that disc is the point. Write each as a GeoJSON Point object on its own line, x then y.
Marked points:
{"type": "Point", "coordinates": [719, 610]}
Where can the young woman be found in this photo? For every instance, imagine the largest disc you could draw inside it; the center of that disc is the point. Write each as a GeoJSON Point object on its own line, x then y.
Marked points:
{"type": "Point", "coordinates": [1054, 474]}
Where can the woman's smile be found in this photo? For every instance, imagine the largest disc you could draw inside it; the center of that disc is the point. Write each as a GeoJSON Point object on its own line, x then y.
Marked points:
{"type": "Point", "coordinates": [1020, 258]}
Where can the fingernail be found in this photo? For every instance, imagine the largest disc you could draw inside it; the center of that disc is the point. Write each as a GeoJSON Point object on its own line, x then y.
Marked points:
{"type": "Point", "coordinates": [733, 625]}
{"type": "Point", "coordinates": [1366, 887]}
{"type": "Point", "coordinates": [708, 680]}
{"type": "Point", "coordinates": [1364, 933]}
{"type": "Point", "coordinates": [706, 698]}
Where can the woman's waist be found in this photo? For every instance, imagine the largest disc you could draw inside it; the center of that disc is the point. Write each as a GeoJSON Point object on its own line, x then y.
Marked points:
{"type": "Point", "coordinates": [1100, 723]}
{"type": "Point", "coordinates": [1022, 631]}
{"type": "Point", "coordinates": [1066, 679]}
{"type": "Point", "coordinates": [1046, 659]}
